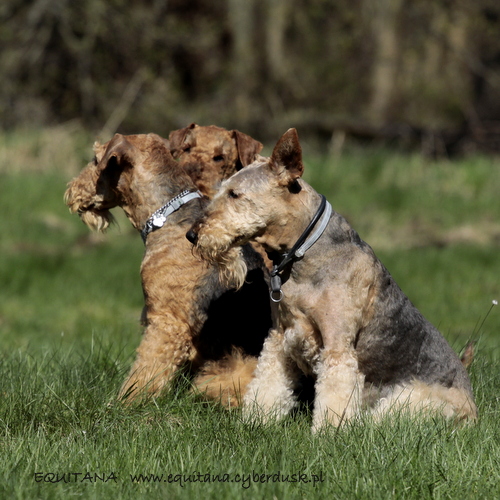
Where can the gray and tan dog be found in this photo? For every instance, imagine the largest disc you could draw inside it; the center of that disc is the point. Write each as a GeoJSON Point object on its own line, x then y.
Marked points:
{"type": "Point", "coordinates": [341, 317]}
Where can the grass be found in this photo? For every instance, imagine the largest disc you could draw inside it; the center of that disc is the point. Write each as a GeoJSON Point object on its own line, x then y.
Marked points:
{"type": "Point", "coordinates": [70, 304]}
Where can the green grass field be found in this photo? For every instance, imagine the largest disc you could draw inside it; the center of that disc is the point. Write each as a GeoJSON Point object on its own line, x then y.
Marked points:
{"type": "Point", "coordinates": [70, 304]}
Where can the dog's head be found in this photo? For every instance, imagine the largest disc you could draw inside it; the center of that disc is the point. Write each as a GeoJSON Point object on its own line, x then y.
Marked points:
{"type": "Point", "coordinates": [121, 168]}
{"type": "Point", "coordinates": [210, 154]}
{"type": "Point", "coordinates": [81, 194]}
{"type": "Point", "coordinates": [259, 203]}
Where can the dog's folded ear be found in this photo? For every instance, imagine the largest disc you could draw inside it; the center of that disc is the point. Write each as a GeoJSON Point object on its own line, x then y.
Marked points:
{"type": "Point", "coordinates": [119, 150]}
{"type": "Point", "coordinates": [247, 147]}
{"type": "Point", "coordinates": [286, 159]}
{"type": "Point", "coordinates": [176, 139]}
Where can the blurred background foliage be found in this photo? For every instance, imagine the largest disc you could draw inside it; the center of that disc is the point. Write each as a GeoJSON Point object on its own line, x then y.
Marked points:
{"type": "Point", "coordinates": [424, 73]}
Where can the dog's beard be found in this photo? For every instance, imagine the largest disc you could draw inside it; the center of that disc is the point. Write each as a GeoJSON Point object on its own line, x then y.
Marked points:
{"type": "Point", "coordinates": [97, 220]}
{"type": "Point", "coordinates": [232, 268]}
{"type": "Point", "coordinates": [229, 260]}
{"type": "Point", "coordinates": [83, 202]}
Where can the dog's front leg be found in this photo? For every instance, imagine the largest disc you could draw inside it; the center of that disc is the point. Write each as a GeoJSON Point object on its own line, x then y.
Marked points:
{"type": "Point", "coordinates": [339, 382]}
{"type": "Point", "coordinates": [271, 393]}
{"type": "Point", "coordinates": [339, 387]}
{"type": "Point", "coordinates": [166, 347]}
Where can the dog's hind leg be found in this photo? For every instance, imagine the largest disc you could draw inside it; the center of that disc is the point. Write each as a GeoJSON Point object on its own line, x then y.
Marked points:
{"type": "Point", "coordinates": [418, 397]}
{"type": "Point", "coordinates": [226, 379]}
{"type": "Point", "coordinates": [271, 393]}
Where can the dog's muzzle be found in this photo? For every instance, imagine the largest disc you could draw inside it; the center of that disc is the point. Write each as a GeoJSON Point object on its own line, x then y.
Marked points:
{"type": "Point", "coordinates": [192, 236]}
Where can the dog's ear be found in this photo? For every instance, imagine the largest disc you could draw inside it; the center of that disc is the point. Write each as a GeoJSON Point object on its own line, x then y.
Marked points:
{"type": "Point", "coordinates": [176, 139]}
{"type": "Point", "coordinates": [118, 151]}
{"type": "Point", "coordinates": [286, 159]}
{"type": "Point", "coordinates": [247, 148]}
{"type": "Point", "coordinates": [120, 156]}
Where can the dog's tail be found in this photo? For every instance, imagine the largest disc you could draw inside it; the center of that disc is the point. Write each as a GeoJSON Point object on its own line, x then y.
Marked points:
{"type": "Point", "coordinates": [226, 380]}
{"type": "Point", "coordinates": [468, 355]}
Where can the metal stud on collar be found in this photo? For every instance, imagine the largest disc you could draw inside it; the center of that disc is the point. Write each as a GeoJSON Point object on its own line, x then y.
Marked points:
{"type": "Point", "coordinates": [158, 218]}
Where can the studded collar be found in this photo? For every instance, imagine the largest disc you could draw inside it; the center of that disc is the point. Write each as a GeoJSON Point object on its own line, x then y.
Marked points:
{"type": "Point", "coordinates": [158, 218]}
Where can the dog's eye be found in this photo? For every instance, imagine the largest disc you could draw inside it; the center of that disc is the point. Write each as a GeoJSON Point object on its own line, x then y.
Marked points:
{"type": "Point", "coordinates": [218, 158]}
{"type": "Point", "coordinates": [187, 149]}
{"type": "Point", "coordinates": [232, 194]}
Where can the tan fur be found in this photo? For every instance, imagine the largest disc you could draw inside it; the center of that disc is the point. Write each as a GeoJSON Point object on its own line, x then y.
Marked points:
{"type": "Point", "coordinates": [81, 193]}
{"type": "Point", "coordinates": [139, 174]}
{"type": "Point", "coordinates": [226, 380]}
{"type": "Point", "coordinates": [468, 355]}
{"type": "Point", "coordinates": [418, 397]}
{"type": "Point", "coordinates": [211, 153]}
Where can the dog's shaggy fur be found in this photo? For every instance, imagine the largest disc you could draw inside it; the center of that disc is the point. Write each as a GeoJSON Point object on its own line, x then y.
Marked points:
{"type": "Point", "coordinates": [342, 319]}
{"type": "Point", "coordinates": [192, 322]}
{"type": "Point", "coordinates": [210, 153]}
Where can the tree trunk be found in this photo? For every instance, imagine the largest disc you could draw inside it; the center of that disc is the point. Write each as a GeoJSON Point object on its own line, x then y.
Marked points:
{"type": "Point", "coordinates": [385, 65]}
{"type": "Point", "coordinates": [240, 13]}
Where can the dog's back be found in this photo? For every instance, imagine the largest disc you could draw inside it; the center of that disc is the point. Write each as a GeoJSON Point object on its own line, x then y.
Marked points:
{"type": "Point", "coordinates": [396, 345]}
{"type": "Point", "coordinates": [403, 345]}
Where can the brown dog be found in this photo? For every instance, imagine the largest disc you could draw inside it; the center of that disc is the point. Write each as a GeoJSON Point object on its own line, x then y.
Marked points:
{"type": "Point", "coordinates": [211, 153]}
{"type": "Point", "coordinates": [192, 322]}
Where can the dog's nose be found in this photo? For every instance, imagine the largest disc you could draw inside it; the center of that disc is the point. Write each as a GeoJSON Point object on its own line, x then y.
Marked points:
{"type": "Point", "coordinates": [192, 236]}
